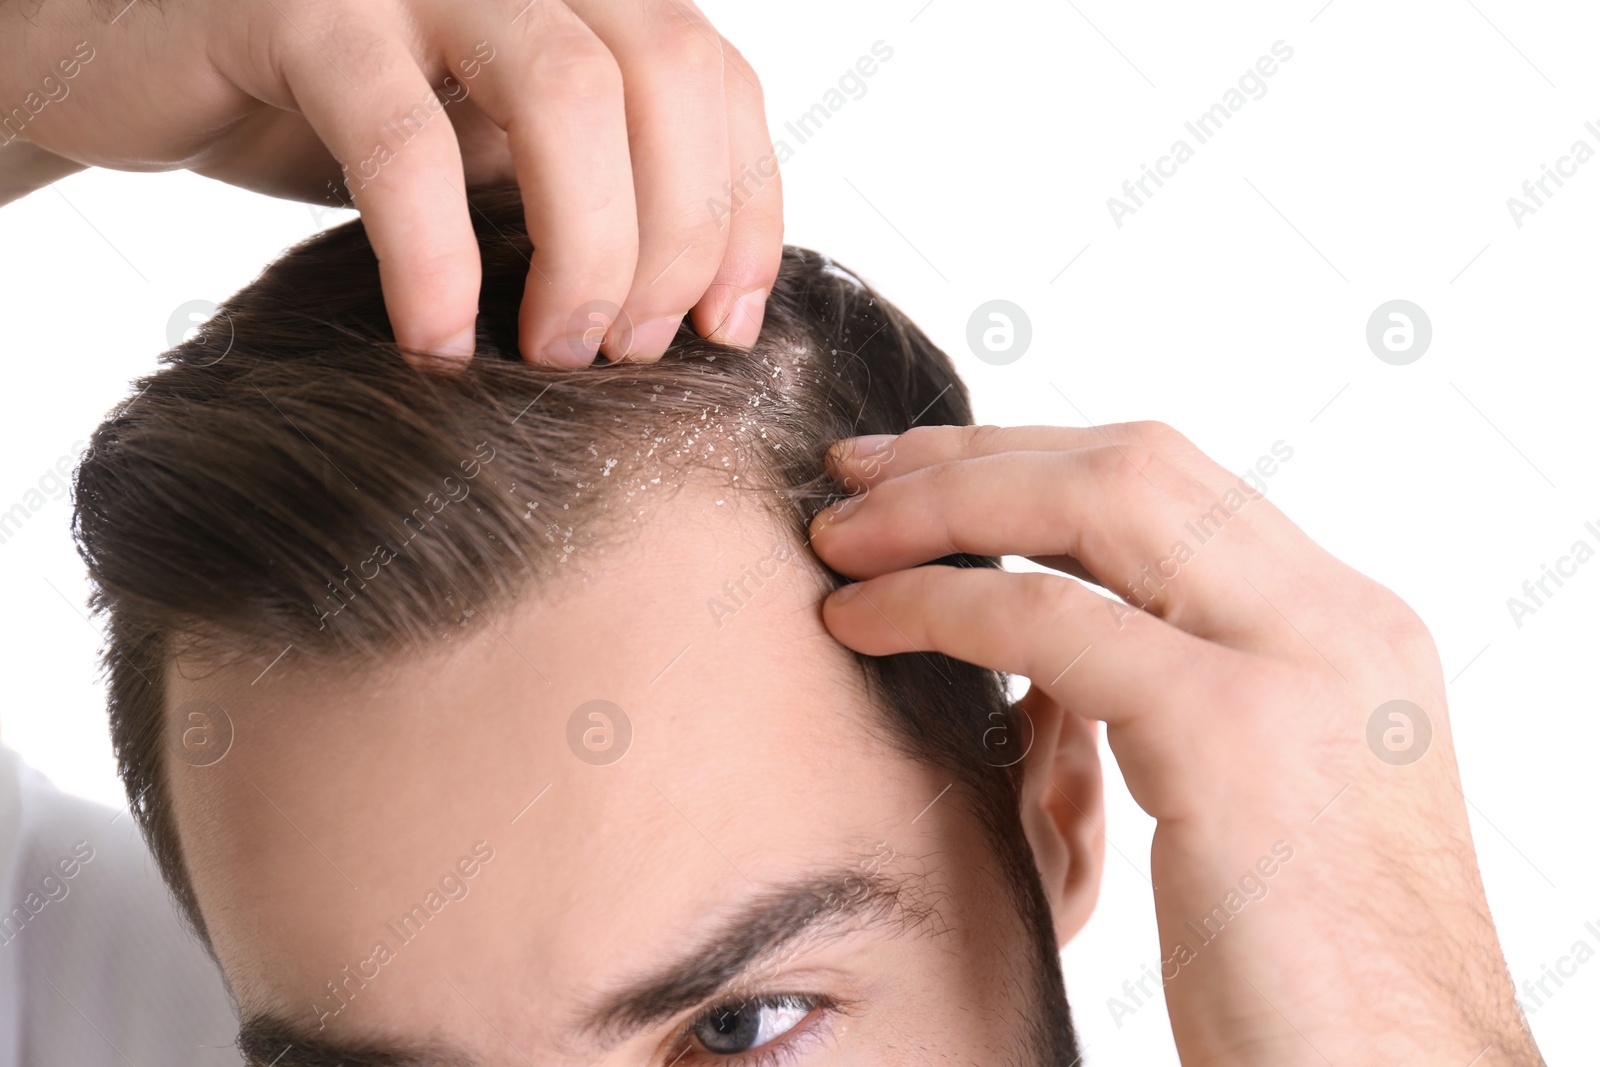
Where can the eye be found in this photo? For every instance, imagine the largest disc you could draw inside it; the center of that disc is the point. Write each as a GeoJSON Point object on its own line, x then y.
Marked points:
{"type": "Point", "coordinates": [741, 1026]}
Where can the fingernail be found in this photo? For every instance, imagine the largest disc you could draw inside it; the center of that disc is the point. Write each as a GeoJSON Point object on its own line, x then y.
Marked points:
{"type": "Point", "coordinates": [743, 323]}
{"type": "Point", "coordinates": [846, 592]}
{"type": "Point", "coordinates": [842, 510]}
{"type": "Point", "coordinates": [871, 445]}
{"type": "Point", "coordinates": [462, 344]}
{"type": "Point", "coordinates": [866, 454]}
{"type": "Point", "coordinates": [650, 340]}
{"type": "Point", "coordinates": [574, 350]}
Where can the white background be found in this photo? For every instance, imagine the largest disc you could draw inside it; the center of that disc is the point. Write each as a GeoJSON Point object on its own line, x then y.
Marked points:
{"type": "Point", "coordinates": [1233, 305]}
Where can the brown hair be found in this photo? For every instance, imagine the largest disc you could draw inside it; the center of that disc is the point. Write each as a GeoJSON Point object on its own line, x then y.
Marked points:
{"type": "Point", "coordinates": [242, 497]}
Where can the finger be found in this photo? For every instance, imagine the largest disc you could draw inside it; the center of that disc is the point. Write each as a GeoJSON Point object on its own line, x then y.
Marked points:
{"type": "Point", "coordinates": [677, 114]}
{"type": "Point", "coordinates": [861, 461]}
{"type": "Point", "coordinates": [485, 148]}
{"type": "Point", "coordinates": [1096, 656]}
{"type": "Point", "coordinates": [364, 95]}
{"type": "Point", "coordinates": [556, 90]}
{"type": "Point", "coordinates": [1013, 503]}
{"type": "Point", "coordinates": [1138, 527]}
{"type": "Point", "coordinates": [732, 309]}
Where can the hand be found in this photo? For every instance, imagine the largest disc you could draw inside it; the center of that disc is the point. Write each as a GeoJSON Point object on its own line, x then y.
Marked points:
{"type": "Point", "coordinates": [281, 95]}
{"type": "Point", "coordinates": [1317, 893]}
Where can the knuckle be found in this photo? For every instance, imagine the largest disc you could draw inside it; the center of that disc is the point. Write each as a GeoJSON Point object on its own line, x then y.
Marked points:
{"type": "Point", "coordinates": [1254, 691]}
{"type": "Point", "coordinates": [689, 50]}
{"type": "Point", "coordinates": [574, 68]}
{"type": "Point", "coordinates": [1156, 435]}
{"type": "Point", "coordinates": [291, 17]}
{"type": "Point", "coordinates": [1123, 470]}
{"type": "Point", "coordinates": [755, 195]}
{"type": "Point", "coordinates": [742, 77]}
{"type": "Point", "coordinates": [1393, 622]}
{"type": "Point", "coordinates": [1045, 596]}
{"type": "Point", "coordinates": [701, 240]}
{"type": "Point", "coordinates": [926, 439]}
{"type": "Point", "coordinates": [981, 438]}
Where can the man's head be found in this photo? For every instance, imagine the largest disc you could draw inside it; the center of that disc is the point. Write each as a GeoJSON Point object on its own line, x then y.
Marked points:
{"type": "Point", "coordinates": [491, 713]}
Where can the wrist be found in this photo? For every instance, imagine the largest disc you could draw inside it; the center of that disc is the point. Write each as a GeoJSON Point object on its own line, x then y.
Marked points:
{"type": "Point", "coordinates": [1339, 954]}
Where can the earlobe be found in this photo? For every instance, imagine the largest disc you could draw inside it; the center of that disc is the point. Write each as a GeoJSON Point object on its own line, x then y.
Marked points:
{"type": "Point", "coordinates": [1063, 810]}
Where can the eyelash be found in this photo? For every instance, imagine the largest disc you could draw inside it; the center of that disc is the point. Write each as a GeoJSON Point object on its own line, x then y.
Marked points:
{"type": "Point", "coordinates": [778, 1053]}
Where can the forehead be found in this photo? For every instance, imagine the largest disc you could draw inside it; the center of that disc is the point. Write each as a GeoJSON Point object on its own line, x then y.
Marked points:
{"type": "Point", "coordinates": [636, 745]}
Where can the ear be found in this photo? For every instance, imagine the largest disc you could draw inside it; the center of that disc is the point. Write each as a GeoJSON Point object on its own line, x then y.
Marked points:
{"type": "Point", "coordinates": [1063, 809]}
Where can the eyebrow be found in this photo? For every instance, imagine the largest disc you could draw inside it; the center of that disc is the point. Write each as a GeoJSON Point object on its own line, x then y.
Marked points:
{"type": "Point", "coordinates": [267, 1039]}
{"type": "Point", "coordinates": [759, 930]}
